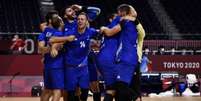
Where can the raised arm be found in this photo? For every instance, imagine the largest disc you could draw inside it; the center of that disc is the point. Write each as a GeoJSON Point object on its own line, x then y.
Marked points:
{"type": "Point", "coordinates": [118, 25]}
{"type": "Point", "coordinates": [110, 31]}
{"type": "Point", "coordinates": [64, 39]}
{"type": "Point", "coordinates": [92, 12]}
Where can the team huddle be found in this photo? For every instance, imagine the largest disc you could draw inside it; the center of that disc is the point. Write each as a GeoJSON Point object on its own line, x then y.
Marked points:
{"type": "Point", "coordinates": [75, 54]}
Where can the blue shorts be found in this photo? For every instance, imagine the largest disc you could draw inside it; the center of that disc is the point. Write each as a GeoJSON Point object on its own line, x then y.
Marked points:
{"type": "Point", "coordinates": [54, 78]}
{"type": "Point", "coordinates": [76, 77]}
{"type": "Point", "coordinates": [108, 72]}
{"type": "Point", "coordinates": [125, 72]}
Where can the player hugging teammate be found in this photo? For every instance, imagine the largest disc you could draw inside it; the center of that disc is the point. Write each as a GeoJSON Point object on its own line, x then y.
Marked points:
{"type": "Point", "coordinates": [72, 63]}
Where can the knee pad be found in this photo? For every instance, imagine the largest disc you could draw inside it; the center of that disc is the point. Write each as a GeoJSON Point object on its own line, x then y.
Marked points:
{"type": "Point", "coordinates": [84, 94]}
{"type": "Point", "coordinates": [71, 96]}
{"type": "Point", "coordinates": [77, 98]}
{"type": "Point", "coordinates": [135, 84]}
{"type": "Point", "coordinates": [123, 92]}
{"type": "Point", "coordinates": [108, 97]}
{"type": "Point", "coordinates": [121, 85]}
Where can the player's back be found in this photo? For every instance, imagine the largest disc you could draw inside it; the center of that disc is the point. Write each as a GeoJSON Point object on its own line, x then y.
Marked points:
{"type": "Point", "coordinates": [128, 42]}
{"type": "Point", "coordinates": [109, 46]}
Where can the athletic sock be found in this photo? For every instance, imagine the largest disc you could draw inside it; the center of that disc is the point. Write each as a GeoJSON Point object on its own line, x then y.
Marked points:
{"type": "Point", "coordinates": [97, 96]}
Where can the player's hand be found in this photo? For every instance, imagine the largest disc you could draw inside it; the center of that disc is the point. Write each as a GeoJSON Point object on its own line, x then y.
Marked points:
{"type": "Point", "coordinates": [102, 29]}
{"type": "Point", "coordinates": [44, 50]}
{"type": "Point", "coordinates": [78, 91]}
{"type": "Point", "coordinates": [57, 46]}
{"type": "Point", "coordinates": [76, 7]}
{"type": "Point", "coordinates": [54, 52]}
{"type": "Point", "coordinates": [94, 86]}
{"type": "Point", "coordinates": [71, 38]}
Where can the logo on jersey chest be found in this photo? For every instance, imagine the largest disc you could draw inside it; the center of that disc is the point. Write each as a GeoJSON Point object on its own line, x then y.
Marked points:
{"type": "Point", "coordinates": [82, 44]}
{"type": "Point", "coordinates": [48, 34]}
{"type": "Point", "coordinates": [66, 29]}
{"type": "Point", "coordinates": [83, 41]}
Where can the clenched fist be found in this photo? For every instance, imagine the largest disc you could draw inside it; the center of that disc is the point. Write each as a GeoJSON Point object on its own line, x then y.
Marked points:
{"type": "Point", "coordinates": [102, 29]}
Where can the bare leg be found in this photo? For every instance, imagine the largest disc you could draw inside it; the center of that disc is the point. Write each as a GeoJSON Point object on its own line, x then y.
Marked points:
{"type": "Point", "coordinates": [46, 94]}
{"type": "Point", "coordinates": [77, 94]}
{"type": "Point", "coordinates": [65, 95]}
{"type": "Point", "coordinates": [56, 95]}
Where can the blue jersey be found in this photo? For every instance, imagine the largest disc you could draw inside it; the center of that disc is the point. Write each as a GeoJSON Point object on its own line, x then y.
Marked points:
{"type": "Point", "coordinates": [127, 51]}
{"type": "Point", "coordinates": [49, 61]}
{"type": "Point", "coordinates": [109, 46]}
{"type": "Point", "coordinates": [78, 50]}
{"type": "Point", "coordinates": [70, 26]}
{"type": "Point", "coordinates": [144, 64]}
{"type": "Point", "coordinates": [92, 13]}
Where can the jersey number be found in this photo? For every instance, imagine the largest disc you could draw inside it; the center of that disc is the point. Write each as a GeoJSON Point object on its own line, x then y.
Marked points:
{"type": "Point", "coordinates": [82, 44]}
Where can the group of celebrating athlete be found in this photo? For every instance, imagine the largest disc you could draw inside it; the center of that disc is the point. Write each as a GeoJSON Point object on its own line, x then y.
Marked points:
{"type": "Point", "coordinates": [73, 57]}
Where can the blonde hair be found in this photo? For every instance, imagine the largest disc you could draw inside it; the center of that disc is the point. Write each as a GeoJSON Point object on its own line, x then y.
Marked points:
{"type": "Point", "coordinates": [85, 14]}
{"type": "Point", "coordinates": [133, 11]}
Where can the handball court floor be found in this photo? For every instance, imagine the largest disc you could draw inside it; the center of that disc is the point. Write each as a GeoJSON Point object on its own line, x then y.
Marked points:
{"type": "Point", "coordinates": [169, 98]}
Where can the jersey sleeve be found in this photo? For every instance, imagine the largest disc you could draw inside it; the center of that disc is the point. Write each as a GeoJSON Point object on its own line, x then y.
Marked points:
{"type": "Point", "coordinates": [114, 22]}
{"type": "Point", "coordinates": [41, 37]}
{"type": "Point", "coordinates": [93, 12]}
{"type": "Point", "coordinates": [122, 23]}
{"type": "Point", "coordinates": [58, 34]}
{"type": "Point", "coordinates": [93, 33]}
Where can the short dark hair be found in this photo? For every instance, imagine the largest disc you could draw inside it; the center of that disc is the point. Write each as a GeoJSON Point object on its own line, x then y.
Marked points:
{"type": "Point", "coordinates": [63, 10]}
{"type": "Point", "coordinates": [124, 8]}
{"type": "Point", "coordinates": [49, 15]}
{"type": "Point", "coordinates": [56, 21]}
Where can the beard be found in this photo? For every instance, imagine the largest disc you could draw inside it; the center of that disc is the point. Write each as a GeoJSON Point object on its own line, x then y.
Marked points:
{"type": "Point", "coordinates": [71, 17]}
